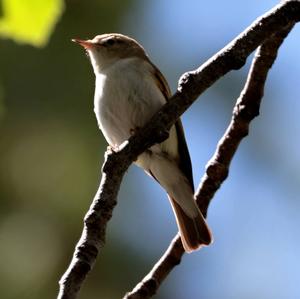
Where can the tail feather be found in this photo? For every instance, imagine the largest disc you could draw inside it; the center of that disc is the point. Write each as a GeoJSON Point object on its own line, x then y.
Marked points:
{"type": "Point", "coordinates": [194, 231]}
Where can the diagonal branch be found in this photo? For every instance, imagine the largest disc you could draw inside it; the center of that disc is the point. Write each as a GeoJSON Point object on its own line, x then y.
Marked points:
{"type": "Point", "coordinates": [245, 110]}
{"type": "Point", "coordinates": [192, 84]}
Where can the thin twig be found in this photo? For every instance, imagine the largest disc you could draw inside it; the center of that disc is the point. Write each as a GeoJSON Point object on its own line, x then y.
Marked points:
{"type": "Point", "coordinates": [191, 86]}
{"type": "Point", "coordinates": [245, 110]}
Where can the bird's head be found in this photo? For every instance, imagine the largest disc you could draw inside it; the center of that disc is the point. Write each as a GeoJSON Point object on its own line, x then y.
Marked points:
{"type": "Point", "coordinates": [106, 49]}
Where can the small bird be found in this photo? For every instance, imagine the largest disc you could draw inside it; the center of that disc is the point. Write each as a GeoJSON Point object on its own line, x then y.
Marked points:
{"type": "Point", "coordinates": [130, 89]}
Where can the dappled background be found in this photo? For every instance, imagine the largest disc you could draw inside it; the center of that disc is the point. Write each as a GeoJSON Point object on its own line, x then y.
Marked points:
{"type": "Point", "coordinates": [51, 154]}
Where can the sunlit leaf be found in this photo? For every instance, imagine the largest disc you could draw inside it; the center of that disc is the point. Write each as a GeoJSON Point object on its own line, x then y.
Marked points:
{"type": "Point", "coordinates": [30, 21]}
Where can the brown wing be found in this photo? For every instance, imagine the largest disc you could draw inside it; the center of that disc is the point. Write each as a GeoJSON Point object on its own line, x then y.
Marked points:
{"type": "Point", "coordinates": [185, 160]}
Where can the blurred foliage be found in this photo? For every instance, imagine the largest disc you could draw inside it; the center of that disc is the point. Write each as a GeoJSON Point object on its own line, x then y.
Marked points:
{"type": "Point", "coordinates": [2, 108]}
{"type": "Point", "coordinates": [30, 21]}
{"type": "Point", "coordinates": [50, 147]}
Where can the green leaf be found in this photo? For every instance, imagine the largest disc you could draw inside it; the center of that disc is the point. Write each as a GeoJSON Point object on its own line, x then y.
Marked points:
{"type": "Point", "coordinates": [30, 21]}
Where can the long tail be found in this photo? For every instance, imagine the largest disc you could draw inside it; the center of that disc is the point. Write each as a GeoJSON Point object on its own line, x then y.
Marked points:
{"type": "Point", "coordinates": [194, 231]}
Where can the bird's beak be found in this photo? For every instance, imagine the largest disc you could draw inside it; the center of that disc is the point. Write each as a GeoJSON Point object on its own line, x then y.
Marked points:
{"type": "Point", "coordinates": [87, 44]}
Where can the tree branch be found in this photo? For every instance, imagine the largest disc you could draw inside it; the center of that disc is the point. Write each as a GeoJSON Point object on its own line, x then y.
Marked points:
{"type": "Point", "coordinates": [245, 110]}
{"type": "Point", "coordinates": [191, 85]}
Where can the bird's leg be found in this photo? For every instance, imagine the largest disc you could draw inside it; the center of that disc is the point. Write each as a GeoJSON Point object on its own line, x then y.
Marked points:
{"type": "Point", "coordinates": [134, 131]}
{"type": "Point", "coordinates": [112, 149]}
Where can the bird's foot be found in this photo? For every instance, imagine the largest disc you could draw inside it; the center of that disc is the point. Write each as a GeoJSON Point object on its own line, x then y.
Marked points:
{"type": "Point", "coordinates": [134, 131]}
{"type": "Point", "coordinates": [112, 149]}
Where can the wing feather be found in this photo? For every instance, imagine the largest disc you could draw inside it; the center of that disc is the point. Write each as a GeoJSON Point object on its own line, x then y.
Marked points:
{"type": "Point", "coordinates": [184, 157]}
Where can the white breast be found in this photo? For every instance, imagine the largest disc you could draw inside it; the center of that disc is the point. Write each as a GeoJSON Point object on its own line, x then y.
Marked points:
{"type": "Point", "coordinates": [126, 97]}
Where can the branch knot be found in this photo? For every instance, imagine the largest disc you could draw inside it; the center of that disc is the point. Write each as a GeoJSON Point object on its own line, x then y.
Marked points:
{"type": "Point", "coordinates": [216, 170]}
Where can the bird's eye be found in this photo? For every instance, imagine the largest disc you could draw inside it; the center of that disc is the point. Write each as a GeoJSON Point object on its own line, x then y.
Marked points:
{"type": "Point", "coordinates": [110, 42]}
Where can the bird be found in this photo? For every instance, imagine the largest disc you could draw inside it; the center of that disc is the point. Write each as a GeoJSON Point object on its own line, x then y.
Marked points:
{"type": "Point", "coordinates": [129, 90]}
